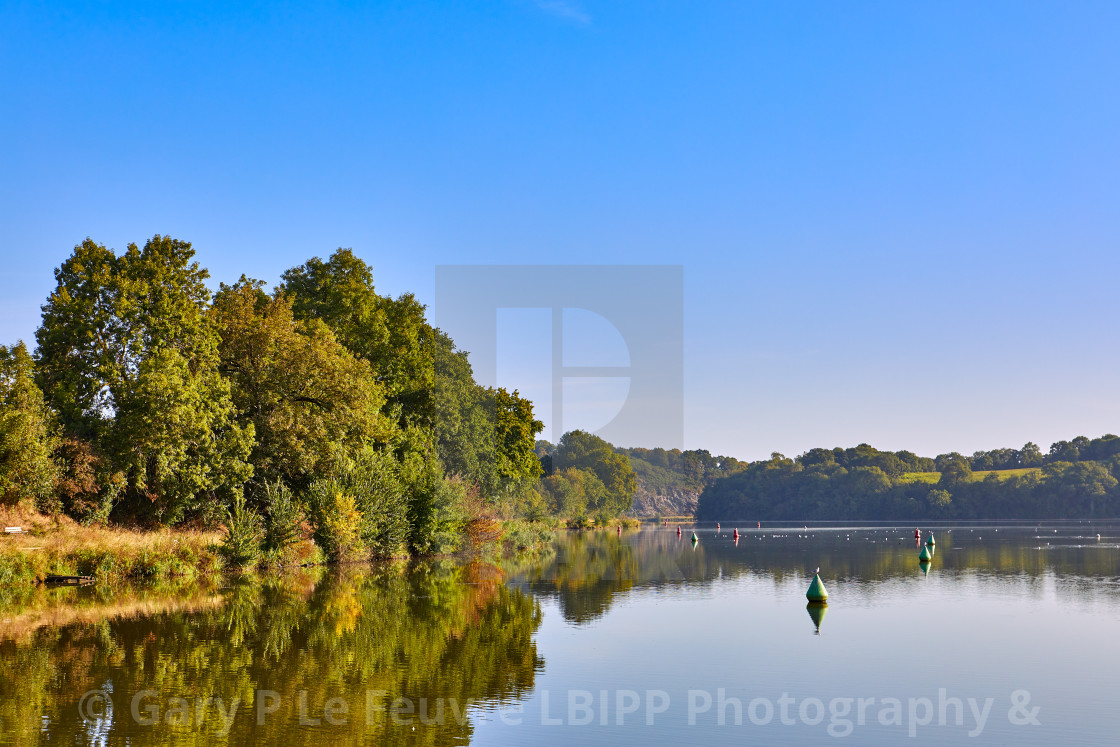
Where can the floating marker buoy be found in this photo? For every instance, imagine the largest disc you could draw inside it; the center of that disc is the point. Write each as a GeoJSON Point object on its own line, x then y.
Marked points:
{"type": "Point", "coordinates": [924, 554]}
{"type": "Point", "coordinates": [717, 526]}
{"type": "Point", "coordinates": [695, 538]}
{"type": "Point", "coordinates": [678, 531]}
{"type": "Point", "coordinates": [736, 535]}
{"type": "Point", "coordinates": [931, 542]}
{"type": "Point", "coordinates": [817, 592]}
{"type": "Point", "coordinates": [760, 525]}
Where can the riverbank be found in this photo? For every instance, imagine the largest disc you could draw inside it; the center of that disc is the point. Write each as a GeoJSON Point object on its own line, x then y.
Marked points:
{"type": "Point", "coordinates": [58, 545]}
{"type": "Point", "coordinates": [51, 545]}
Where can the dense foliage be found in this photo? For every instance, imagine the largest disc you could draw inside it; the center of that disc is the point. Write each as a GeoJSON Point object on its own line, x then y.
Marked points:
{"type": "Point", "coordinates": [1078, 478]}
{"type": "Point", "coordinates": [320, 409]}
{"type": "Point", "coordinates": [585, 476]}
{"type": "Point", "coordinates": [672, 472]}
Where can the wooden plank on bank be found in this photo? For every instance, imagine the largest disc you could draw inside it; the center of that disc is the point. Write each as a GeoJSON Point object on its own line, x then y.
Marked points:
{"type": "Point", "coordinates": [78, 580]}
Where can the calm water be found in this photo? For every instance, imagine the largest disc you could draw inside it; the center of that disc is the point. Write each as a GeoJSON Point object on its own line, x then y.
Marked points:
{"type": "Point", "coordinates": [645, 638]}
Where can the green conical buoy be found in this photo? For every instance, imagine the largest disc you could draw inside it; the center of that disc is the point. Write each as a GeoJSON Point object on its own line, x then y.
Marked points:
{"type": "Point", "coordinates": [817, 592]}
{"type": "Point", "coordinates": [930, 541]}
{"type": "Point", "coordinates": [817, 611]}
{"type": "Point", "coordinates": [695, 538]}
{"type": "Point", "coordinates": [924, 565]}
{"type": "Point", "coordinates": [925, 554]}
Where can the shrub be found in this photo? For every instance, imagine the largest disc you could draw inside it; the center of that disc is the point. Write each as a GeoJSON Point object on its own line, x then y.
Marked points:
{"type": "Point", "coordinates": [338, 523]}
{"type": "Point", "coordinates": [283, 518]}
{"type": "Point", "coordinates": [374, 481]}
{"type": "Point", "coordinates": [436, 510]}
{"type": "Point", "coordinates": [244, 532]}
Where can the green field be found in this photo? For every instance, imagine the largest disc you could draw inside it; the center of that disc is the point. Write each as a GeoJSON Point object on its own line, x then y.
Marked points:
{"type": "Point", "coordinates": [933, 477]}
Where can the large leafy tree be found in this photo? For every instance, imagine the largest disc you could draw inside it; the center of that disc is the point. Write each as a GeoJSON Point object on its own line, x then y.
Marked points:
{"type": "Point", "coordinates": [308, 399]}
{"type": "Point", "coordinates": [391, 334]}
{"type": "Point", "coordinates": [128, 357]}
{"type": "Point", "coordinates": [516, 465]}
{"type": "Point", "coordinates": [585, 451]}
{"type": "Point", "coordinates": [27, 435]}
{"type": "Point", "coordinates": [483, 435]}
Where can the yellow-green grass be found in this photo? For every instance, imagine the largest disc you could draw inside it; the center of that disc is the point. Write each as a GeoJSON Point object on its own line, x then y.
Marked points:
{"type": "Point", "coordinates": [930, 477]}
{"type": "Point", "coordinates": [1003, 474]}
{"type": "Point", "coordinates": [59, 546]}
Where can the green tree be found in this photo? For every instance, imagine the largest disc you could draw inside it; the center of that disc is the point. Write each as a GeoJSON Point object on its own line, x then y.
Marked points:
{"type": "Point", "coordinates": [1082, 487]}
{"type": "Point", "coordinates": [340, 292]}
{"type": "Point", "coordinates": [304, 395]}
{"type": "Point", "coordinates": [585, 451]}
{"type": "Point", "coordinates": [939, 500]}
{"type": "Point", "coordinates": [575, 493]}
{"type": "Point", "coordinates": [27, 432]}
{"type": "Point", "coordinates": [391, 334]}
{"type": "Point", "coordinates": [128, 358]}
{"type": "Point", "coordinates": [515, 429]}
{"type": "Point", "coordinates": [1030, 455]}
{"type": "Point", "coordinates": [955, 470]}
{"type": "Point", "coordinates": [482, 435]}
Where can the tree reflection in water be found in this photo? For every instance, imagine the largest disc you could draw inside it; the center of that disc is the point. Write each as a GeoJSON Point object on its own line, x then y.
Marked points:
{"type": "Point", "coordinates": [449, 638]}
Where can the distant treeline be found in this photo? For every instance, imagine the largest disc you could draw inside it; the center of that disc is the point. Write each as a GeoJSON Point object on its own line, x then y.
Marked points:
{"type": "Point", "coordinates": [1076, 479]}
{"type": "Point", "coordinates": [673, 469]}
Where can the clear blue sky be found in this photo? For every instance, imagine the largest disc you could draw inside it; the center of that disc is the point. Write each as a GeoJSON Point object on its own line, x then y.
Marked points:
{"type": "Point", "coordinates": [898, 222]}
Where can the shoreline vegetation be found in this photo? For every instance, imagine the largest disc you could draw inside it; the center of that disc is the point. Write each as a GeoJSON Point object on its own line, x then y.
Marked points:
{"type": "Point", "coordinates": [160, 430]}
{"type": "Point", "coordinates": [163, 429]}
{"type": "Point", "coordinates": [60, 546]}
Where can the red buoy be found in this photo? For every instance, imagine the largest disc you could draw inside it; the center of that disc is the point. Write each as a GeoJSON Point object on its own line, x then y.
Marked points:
{"type": "Point", "coordinates": [736, 535]}
{"type": "Point", "coordinates": [678, 531]}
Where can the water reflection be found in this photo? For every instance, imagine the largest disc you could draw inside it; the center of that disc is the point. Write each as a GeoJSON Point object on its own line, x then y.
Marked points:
{"type": "Point", "coordinates": [591, 570]}
{"type": "Point", "coordinates": [321, 656]}
{"type": "Point", "coordinates": [324, 653]}
{"type": "Point", "coordinates": [817, 611]}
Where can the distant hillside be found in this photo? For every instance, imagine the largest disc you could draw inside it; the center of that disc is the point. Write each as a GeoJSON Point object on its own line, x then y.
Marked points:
{"type": "Point", "coordinates": [670, 481]}
{"type": "Point", "coordinates": [1075, 479]}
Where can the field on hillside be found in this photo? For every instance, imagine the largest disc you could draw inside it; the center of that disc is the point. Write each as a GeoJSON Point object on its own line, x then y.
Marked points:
{"type": "Point", "coordinates": [1003, 474]}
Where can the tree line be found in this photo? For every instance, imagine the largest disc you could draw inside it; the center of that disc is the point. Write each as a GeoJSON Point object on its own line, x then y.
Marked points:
{"type": "Point", "coordinates": [319, 405]}
{"type": "Point", "coordinates": [1075, 479]}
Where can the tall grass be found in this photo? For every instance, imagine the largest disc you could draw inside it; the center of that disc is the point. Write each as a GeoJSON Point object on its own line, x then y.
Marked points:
{"type": "Point", "coordinates": [64, 547]}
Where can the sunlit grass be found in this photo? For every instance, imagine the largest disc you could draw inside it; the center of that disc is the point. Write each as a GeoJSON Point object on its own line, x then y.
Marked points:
{"type": "Point", "coordinates": [58, 545]}
{"type": "Point", "coordinates": [1003, 474]}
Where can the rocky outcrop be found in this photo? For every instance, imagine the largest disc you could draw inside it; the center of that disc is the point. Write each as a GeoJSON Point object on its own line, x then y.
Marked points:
{"type": "Point", "coordinates": [666, 502]}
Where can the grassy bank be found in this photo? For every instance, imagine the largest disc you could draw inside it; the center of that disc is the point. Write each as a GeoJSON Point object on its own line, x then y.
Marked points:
{"type": "Point", "coordinates": [61, 546]}
{"type": "Point", "coordinates": [598, 522]}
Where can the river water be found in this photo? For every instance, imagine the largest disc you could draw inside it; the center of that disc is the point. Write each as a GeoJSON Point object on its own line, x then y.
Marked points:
{"type": "Point", "coordinates": [644, 638]}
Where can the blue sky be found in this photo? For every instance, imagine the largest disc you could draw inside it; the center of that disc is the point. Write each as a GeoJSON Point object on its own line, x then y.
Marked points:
{"type": "Point", "coordinates": [898, 221]}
